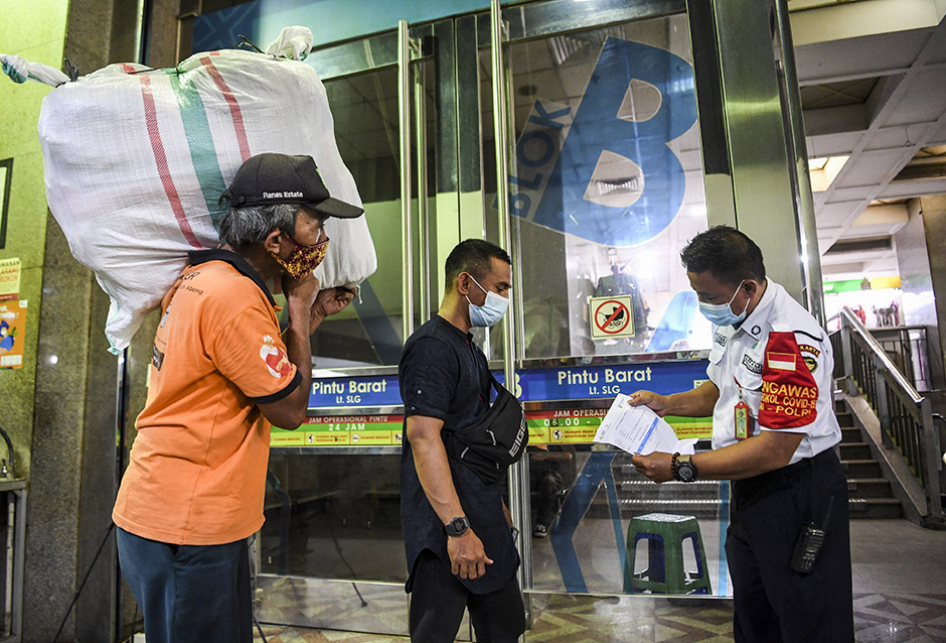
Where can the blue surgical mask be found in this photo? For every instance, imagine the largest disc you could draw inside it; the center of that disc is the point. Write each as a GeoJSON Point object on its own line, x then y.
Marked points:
{"type": "Point", "coordinates": [722, 314]}
{"type": "Point", "coordinates": [492, 310]}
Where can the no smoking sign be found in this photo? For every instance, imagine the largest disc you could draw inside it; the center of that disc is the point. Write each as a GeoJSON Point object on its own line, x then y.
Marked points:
{"type": "Point", "coordinates": [611, 317]}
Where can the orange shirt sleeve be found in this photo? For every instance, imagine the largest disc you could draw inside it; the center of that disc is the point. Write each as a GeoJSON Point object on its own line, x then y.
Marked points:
{"type": "Point", "coordinates": [249, 352]}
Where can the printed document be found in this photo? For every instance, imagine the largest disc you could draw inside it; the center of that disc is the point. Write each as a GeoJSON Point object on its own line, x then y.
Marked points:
{"type": "Point", "coordinates": [636, 429]}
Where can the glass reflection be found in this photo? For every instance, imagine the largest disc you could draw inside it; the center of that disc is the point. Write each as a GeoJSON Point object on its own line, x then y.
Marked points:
{"type": "Point", "coordinates": [606, 188]}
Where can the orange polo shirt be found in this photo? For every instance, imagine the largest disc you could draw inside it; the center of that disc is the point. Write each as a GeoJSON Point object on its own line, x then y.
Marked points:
{"type": "Point", "coordinates": [197, 474]}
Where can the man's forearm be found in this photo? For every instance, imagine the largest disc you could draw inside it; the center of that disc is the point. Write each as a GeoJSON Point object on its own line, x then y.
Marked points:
{"type": "Point", "coordinates": [748, 458]}
{"type": "Point", "coordinates": [696, 403]}
{"type": "Point", "coordinates": [299, 350]}
{"type": "Point", "coordinates": [433, 470]}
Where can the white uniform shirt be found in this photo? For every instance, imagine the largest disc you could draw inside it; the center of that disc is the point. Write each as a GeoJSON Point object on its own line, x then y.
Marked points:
{"type": "Point", "coordinates": [779, 362]}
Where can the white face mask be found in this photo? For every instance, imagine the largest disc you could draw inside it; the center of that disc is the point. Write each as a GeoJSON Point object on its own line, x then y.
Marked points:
{"type": "Point", "coordinates": [722, 314]}
{"type": "Point", "coordinates": [492, 310]}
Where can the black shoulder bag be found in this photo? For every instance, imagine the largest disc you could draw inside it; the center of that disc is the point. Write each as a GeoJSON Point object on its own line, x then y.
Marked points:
{"type": "Point", "coordinates": [498, 440]}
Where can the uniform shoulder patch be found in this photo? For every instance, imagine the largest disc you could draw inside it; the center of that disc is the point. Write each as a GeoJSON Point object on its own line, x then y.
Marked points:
{"type": "Point", "coordinates": [789, 391]}
{"type": "Point", "coordinates": [810, 354]}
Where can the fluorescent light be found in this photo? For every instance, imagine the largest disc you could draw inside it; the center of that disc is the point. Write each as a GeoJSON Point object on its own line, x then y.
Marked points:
{"type": "Point", "coordinates": [822, 171]}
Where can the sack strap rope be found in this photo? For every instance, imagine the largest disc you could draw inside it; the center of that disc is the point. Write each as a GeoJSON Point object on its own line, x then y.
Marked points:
{"type": "Point", "coordinates": [20, 70]}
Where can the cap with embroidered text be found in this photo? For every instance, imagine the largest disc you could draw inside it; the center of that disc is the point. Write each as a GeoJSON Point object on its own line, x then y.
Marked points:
{"type": "Point", "coordinates": [268, 179]}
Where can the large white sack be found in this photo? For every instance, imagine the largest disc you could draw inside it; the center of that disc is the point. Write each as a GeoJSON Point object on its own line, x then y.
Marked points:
{"type": "Point", "coordinates": [136, 160]}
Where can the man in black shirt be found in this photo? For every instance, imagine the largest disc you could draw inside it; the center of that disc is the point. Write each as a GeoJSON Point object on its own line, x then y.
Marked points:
{"type": "Point", "coordinates": [460, 549]}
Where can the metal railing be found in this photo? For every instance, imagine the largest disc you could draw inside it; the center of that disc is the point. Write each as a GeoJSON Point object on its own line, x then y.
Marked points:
{"type": "Point", "coordinates": [905, 415]}
{"type": "Point", "coordinates": [908, 348]}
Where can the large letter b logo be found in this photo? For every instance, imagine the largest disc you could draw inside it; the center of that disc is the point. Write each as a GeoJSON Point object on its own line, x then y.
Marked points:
{"type": "Point", "coordinates": [616, 181]}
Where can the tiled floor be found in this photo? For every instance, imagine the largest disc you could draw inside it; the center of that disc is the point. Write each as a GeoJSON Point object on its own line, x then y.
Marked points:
{"type": "Point", "coordinates": [899, 573]}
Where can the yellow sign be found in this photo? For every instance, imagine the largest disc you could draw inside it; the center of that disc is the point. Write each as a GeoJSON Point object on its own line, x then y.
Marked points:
{"type": "Point", "coordinates": [9, 278]}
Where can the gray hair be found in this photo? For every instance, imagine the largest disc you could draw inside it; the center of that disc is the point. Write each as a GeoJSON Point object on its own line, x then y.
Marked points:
{"type": "Point", "coordinates": [243, 227]}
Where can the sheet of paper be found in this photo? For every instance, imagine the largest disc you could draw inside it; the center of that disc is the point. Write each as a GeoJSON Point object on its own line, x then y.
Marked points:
{"type": "Point", "coordinates": [635, 429]}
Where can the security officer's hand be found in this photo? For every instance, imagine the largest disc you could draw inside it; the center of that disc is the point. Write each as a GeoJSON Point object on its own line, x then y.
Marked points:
{"type": "Point", "coordinates": [659, 404]}
{"type": "Point", "coordinates": [468, 559]}
{"type": "Point", "coordinates": [655, 466]}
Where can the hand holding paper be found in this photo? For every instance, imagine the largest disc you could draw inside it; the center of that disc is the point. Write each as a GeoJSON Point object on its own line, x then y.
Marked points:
{"type": "Point", "coordinates": [636, 429]}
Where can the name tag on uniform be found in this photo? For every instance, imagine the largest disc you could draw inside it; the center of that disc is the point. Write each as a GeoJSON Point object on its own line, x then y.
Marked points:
{"type": "Point", "coordinates": [741, 420]}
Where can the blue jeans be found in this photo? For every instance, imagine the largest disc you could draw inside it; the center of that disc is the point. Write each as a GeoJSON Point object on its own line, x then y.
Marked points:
{"type": "Point", "coordinates": [189, 593]}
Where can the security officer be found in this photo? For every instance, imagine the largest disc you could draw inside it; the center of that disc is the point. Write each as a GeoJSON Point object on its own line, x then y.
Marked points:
{"type": "Point", "coordinates": [774, 432]}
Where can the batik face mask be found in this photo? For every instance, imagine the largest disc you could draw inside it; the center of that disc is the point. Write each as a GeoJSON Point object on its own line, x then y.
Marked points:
{"type": "Point", "coordinates": [303, 259]}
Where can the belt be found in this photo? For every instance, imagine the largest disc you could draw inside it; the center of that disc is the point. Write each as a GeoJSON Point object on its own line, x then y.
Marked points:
{"type": "Point", "coordinates": [749, 491]}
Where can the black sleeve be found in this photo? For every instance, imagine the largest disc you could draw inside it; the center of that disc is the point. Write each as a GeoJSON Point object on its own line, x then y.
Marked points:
{"type": "Point", "coordinates": [429, 374]}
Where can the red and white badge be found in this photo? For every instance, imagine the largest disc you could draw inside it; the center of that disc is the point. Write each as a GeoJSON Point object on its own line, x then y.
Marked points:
{"type": "Point", "coordinates": [789, 393]}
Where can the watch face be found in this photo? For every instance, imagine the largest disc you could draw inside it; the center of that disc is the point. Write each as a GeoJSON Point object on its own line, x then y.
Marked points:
{"type": "Point", "coordinates": [685, 471]}
{"type": "Point", "coordinates": [457, 526]}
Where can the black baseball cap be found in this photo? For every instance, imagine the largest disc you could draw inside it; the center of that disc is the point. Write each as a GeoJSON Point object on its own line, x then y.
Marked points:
{"type": "Point", "coordinates": [268, 179]}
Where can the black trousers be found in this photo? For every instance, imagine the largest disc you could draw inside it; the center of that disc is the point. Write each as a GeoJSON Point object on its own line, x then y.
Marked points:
{"type": "Point", "coordinates": [438, 600]}
{"type": "Point", "coordinates": [772, 602]}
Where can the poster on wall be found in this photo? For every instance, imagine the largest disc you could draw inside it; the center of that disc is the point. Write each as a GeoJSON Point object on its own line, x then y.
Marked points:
{"type": "Point", "coordinates": [12, 333]}
{"type": "Point", "coordinates": [9, 279]}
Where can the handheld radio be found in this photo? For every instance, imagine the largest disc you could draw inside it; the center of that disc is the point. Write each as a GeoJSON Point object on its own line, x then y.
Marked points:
{"type": "Point", "coordinates": [809, 543]}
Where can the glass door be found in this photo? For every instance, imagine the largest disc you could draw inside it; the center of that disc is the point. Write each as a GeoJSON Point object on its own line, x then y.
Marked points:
{"type": "Point", "coordinates": [331, 552]}
{"type": "Point", "coordinates": [604, 187]}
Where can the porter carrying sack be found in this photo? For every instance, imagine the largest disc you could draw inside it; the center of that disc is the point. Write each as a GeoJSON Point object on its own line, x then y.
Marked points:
{"type": "Point", "coordinates": [136, 160]}
{"type": "Point", "coordinates": [498, 440]}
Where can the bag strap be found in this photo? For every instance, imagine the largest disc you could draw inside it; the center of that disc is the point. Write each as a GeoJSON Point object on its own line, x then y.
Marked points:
{"type": "Point", "coordinates": [479, 355]}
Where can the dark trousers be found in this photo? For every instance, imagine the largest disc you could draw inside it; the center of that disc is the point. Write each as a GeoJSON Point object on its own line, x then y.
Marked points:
{"type": "Point", "coordinates": [772, 602]}
{"type": "Point", "coordinates": [189, 593]}
{"type": "Point", "coordinates": [438, 600]}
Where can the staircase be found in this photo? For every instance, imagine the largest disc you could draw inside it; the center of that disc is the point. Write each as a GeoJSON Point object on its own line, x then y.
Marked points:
{"type": "Point", "coordinates": [869, 492]}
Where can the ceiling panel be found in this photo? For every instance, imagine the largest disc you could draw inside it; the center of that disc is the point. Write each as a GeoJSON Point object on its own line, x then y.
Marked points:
{"type": "Point", "coordinates": [833, 269]}
{"type": "Point", "coordinates": [939, 137]}
{"type": "Point", "coordinates": [871, 231]}
{"type": "Point", "coordinates": [888, 138]}
{"type": "Point", "coordinates": [901, 189]}
{"type": "Point", "coordinates": [868, 55]}
{"type": "Point", "coordinates": [861, 192]}
{"type": "Point", "coordinates": [925, 99]}
{"type": "Point", "coordinates": [832, 144]}
{"type": "Point", "coordinates": [835, 215]}
{"type": "Point", "coordinates": [834, 120]}
{"type": "Point", "coordinates": [936, 51]}
{"type": "Point", "coordinates": [870, 168]}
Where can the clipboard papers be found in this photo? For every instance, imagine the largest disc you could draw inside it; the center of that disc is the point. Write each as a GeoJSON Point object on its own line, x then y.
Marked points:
{"type": "Point", "coordinates": [636, 429]}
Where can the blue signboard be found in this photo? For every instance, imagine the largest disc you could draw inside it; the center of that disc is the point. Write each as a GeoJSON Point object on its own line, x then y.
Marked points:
{"type": "Point", "coordinates": [584, 382]}
{"type": "Point", "coordinates": [532, 385]}
{"type": "Point", "coordinates": [378, 390]}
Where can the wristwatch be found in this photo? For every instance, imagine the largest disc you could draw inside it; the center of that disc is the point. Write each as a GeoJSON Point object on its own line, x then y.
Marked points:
{"type": "Point", "coordinates": [683, 468]}
{"type": "Point", "coordinates": [457, 526]}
